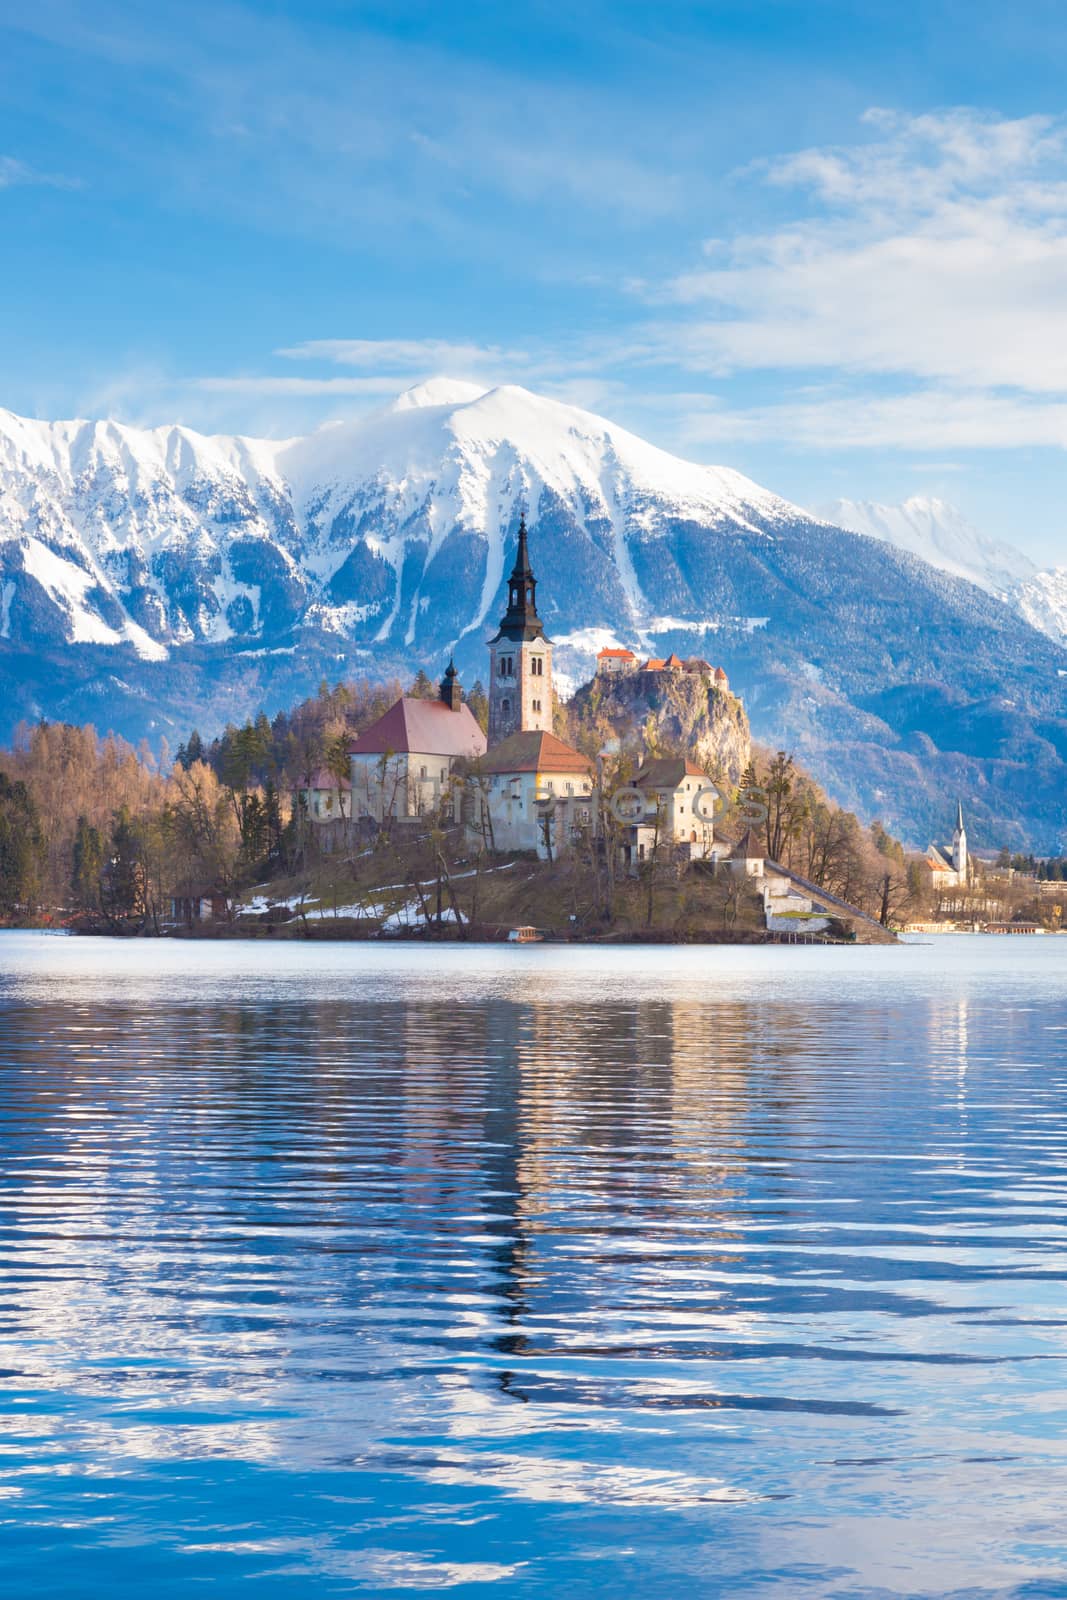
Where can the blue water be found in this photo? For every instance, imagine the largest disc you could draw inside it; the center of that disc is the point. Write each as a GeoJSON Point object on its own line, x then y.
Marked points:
{"type": "Point", "coordinates": [332, 1270]}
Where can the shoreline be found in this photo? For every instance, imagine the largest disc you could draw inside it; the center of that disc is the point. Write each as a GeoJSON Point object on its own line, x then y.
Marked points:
{"type": "Point", "coordinates": [340, 930]}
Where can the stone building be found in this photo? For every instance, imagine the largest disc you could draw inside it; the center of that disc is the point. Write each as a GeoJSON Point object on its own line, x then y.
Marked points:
{"type": "Point", "coordinates": [325, 796]}
{"type": "Point", "coordinates": [611, 662]}
{"type": "Point", "coordinates": [679, 799]}
{"type": "Point", "coordinates": [538, 791]}
{"type": "Point", "coordinates": [402, 764]}
{"type": "Point", "coordinates": [520, 683]}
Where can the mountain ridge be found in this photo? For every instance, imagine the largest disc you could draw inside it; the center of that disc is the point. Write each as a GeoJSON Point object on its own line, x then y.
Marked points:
{"type": "Point", "coordinates": [150, 579]}
{"type": "Point", "coordinates": [936, 531]}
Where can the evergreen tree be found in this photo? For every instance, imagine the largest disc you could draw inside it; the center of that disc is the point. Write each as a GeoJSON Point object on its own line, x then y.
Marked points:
{"type": "Point", "coordinates": [478, 701]}
{"type": "Point", "coordinates": [422, 688]}
{"type": "Point", "coordinates": [193, 751]}
{"type": "Point", "coordinates": [87, 865]}
{"type": "Point", "coordinates": [21, 848]}
{"type": "Point", "coordinates": [123, 886]}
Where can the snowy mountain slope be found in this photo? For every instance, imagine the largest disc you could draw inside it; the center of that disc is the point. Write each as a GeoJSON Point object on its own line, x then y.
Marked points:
{"type": "Point", "coordinates": [110, 533]}
{"type": "Point", "coordinates": [155, 579]}
{"type": "Point", "coordinates": [937, 532]}
{"type": "Point", "coordinates": [163, 537]}
{"type": "Point", "coordinates": [1042, 600]}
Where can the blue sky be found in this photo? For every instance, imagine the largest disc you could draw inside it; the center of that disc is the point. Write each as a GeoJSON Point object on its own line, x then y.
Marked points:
{"type": "Point", "coordinates": [823, 243]}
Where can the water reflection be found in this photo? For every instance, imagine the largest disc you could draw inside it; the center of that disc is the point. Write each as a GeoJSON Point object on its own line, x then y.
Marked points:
{"type": "Point", "coordinates": [402, 1278]}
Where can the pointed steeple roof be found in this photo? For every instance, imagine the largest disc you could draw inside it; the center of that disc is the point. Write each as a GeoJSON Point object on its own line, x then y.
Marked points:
{"type": "Point", "coordinates": [959, 816]}
{"type": "Point", "coordinates": [520, 621]}
{"type": "Point", "coordinates": [451, 693]}
{"type": "Point", "coordinates": [522, 567]}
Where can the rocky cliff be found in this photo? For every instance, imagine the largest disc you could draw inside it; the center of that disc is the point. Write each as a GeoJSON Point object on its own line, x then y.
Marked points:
{"type": "Point", "coordinates": [666, 713]}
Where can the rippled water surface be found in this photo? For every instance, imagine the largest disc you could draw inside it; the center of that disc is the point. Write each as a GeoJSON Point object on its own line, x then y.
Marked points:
{"type": "Point", "coordinates": [331, 1269]}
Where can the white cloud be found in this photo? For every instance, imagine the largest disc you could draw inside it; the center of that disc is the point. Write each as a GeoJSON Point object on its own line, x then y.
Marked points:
{"type": "Point", "coordinates": [409, 355]}
{"type": "Point", "coordinates": [936, 252]}
{"type": "Point", "coordinates": [16, 174]}
{"type": "Point", "coordinates": [284, 384]}
{"type": "Point", "coordinates": [932, 419]}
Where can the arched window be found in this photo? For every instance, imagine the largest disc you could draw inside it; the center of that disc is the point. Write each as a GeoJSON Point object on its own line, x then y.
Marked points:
{"type": "Point", "coordinates": [505, 707]}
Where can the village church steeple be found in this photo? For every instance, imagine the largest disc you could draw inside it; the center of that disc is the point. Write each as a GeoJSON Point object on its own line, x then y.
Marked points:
{"type": "Point", "coordinates": [520, 688]}
{"type": "Point", "coordinates": [959, 844]}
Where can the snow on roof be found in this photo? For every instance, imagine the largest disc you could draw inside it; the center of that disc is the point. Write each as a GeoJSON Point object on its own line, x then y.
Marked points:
{"type": "Point", "coordinates": [421, 727]}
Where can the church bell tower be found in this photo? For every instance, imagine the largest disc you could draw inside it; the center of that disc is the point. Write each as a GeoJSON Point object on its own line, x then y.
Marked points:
{"type": "Point", "coordinates": [520, 688]}
{"type": "Point", "coordinates": [959, 844]}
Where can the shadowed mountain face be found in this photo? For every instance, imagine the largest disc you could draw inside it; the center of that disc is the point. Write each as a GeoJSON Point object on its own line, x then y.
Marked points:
{"type": "Point", "coordinates": [153, 580]}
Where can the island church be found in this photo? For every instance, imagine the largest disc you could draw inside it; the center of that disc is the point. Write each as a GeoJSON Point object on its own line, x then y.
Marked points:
{"type": "Point", "coordinates": [404, 765]}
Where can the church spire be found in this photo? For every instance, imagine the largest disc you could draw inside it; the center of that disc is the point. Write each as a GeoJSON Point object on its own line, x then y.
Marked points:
{"type": "Point", "coordinates": [451, 693]}
{"type": "Point", "coordinates": [959, 845]}
{"type": "Point", "coordinates": [522, 568]}
{"type": "Point", "coordinates": [521, 621]}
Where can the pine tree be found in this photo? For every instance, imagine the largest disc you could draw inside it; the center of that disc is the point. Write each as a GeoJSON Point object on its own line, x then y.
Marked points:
{"type": "Point", "coordinates": [21, 848]}
{"type": "Point", "coordinates": [124, 875]}
{"type": "Point", "coordinates": [87, 865]}
{"type": "Point", "coordinates": [478, 701]}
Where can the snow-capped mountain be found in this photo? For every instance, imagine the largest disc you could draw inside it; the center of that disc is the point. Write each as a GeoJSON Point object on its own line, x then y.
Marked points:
{"type": "Point", "coordinates": [1042, 600]}
{"type": "Point", "coordinates": [151, 580]}
{"type": "Point", "coordinates": [163, 537]}
{"type": "Point", "coordinates": [937, 532]}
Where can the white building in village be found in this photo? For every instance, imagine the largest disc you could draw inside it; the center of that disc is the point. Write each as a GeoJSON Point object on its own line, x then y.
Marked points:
{"type": "Point", "coordinates": [679, 800]}
{"type": "Point", "coordinates": [539, 793]}
{"type": "Point", "coordinates": [402, 764]}
{"type": "Point", "coordinates": [325, 796]}
{"type": "Point", "coordinates": [947, 864]}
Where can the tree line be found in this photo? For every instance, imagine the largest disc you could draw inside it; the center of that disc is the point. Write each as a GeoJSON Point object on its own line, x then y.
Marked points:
{"type": "Point", "coordinates": [90, 825]}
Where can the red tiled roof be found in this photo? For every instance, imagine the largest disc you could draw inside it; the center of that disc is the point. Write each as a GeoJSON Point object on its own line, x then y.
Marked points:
{"type": "Point", "coordinates": [667, 772]}
{"type": "Point", "coordinates": [621, 655]}
{"type": "Point", "coordinates": [747, 849]}
{"type": "Point", "coordinates": [421, 727]}
{"type": "Point", "coordinates": [720, 674]}
{"type": "Point", "coordinates": [535, 752]}
{"type": "Point", "coordinates": [653, 664]}
{"type": "Point", "coordinates": [674, 661]}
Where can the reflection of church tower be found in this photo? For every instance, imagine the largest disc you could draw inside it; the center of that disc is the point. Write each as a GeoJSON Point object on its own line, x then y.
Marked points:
{"type": "Point", "coordinates": [959, 844]}
{"type": "Point", "coordinates": [520, 687]}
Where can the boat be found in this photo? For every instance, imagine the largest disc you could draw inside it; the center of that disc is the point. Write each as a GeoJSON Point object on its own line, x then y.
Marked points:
{"type": "Point", "coordinates": [525, 935]}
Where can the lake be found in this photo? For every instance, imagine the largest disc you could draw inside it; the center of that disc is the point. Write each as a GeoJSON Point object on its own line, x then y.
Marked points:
{"type": "Point", "coordinates": [339, 1269]}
